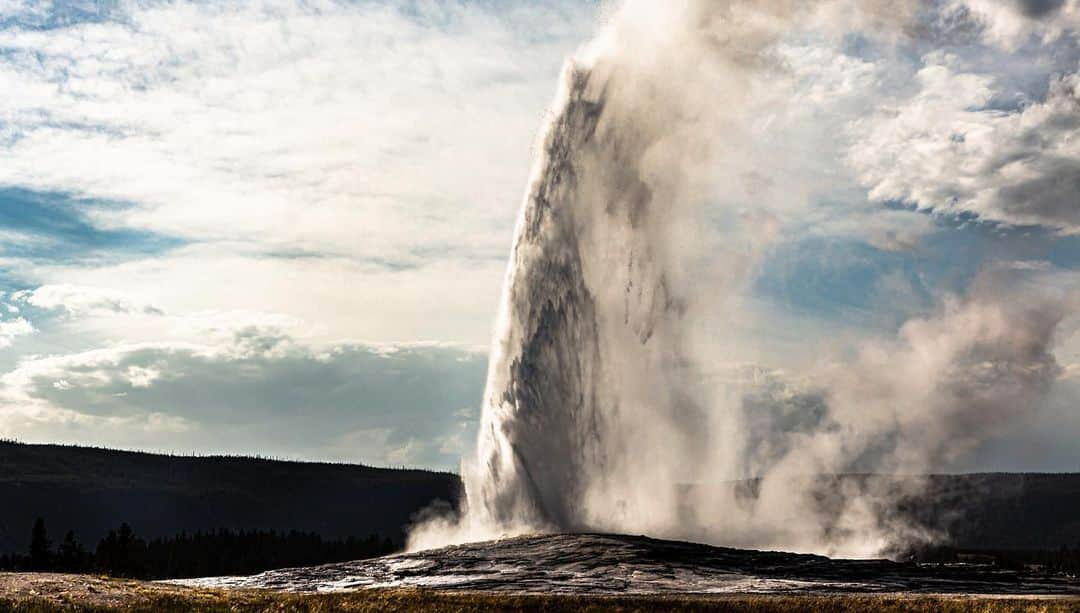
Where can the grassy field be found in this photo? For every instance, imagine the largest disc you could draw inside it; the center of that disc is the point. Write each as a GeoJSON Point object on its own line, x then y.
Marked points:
{"type": "Point", "coordinates": [48, 593]}
{"type": "Point", "coordinates": [383, 601]}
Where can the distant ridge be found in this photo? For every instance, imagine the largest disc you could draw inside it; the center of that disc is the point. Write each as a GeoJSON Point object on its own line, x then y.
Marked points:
{"type": "Point", "coordinates": [211, 456]}
{"type": "Point", "coordinates": [92, 490]}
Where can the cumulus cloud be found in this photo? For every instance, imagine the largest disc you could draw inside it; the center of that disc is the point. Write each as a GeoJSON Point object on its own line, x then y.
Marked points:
{"type": "Point", "coordinates": [258, 392]}
{"type": "Point", "coordinates": [13, 328]}
{"type": "Point", "coordinates": [948, 150]}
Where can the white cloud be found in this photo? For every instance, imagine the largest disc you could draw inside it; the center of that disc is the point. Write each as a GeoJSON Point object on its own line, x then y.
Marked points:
{"type": "Point", "coordinates": [344, 165]}
{"type": "Point", "coordinates": [203, 288]}
{"type": "Point", "coordinates": [82, 300]}
{"type": "Point", "coordinates": [314, 127]}
{"type": "Point", "coordinates": [20, 7]}
{"type": "Point", "coordinates": [945, 150]}
{"type": "Point", "coordinates": [150, 431]}
{"type": "Point", "coordinates": [142, 377]}
{"type": "Point", "coordinates": [13, 328]}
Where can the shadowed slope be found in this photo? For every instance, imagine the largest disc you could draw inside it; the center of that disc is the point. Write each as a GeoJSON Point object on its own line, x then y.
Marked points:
{"type": "Point", "coordinates": [92, 490]}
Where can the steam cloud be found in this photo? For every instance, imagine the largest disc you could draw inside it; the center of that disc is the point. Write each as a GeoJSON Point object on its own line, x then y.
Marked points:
{"type": "Point", "coordinates": [598, 414]}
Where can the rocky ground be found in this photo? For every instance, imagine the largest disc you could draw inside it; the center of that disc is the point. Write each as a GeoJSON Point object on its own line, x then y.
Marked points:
{"type": "Point", "coordinates": [617, 564]}
{"type": "Point", "coordinates": [584, 572]}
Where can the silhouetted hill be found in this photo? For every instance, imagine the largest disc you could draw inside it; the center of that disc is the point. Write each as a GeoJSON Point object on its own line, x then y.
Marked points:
{"type": "Point", "coordinates": [1004, 510]}
{"type": "Point", "coordinates": [92, 490]}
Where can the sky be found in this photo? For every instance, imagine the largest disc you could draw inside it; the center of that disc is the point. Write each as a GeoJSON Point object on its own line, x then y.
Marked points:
{"type": "Point", "coordinates": [281, 228]}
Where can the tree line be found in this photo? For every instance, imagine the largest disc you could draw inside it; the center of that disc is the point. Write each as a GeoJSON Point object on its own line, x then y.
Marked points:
{"type": "Point", "coordinates": [201, 554]}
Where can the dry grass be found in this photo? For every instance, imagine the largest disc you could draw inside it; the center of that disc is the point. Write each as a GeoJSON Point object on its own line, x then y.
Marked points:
{"type": "Point", "coordinates": [26, 593]}
{"type": "Point", "coordinates": [387, 601]}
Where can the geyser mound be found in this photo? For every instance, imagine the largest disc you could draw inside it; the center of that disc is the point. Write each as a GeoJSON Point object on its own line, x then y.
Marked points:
{"type": "Point", "coordinates": [598, 564]}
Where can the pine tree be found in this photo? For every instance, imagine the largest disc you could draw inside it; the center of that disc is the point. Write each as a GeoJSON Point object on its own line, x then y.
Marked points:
{"type": "Point", "coordinates": [71, 555]}
{"type": "Point", "coordinates": [40, 555]}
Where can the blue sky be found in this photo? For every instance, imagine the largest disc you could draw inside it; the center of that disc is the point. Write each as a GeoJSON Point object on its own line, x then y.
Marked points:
{"type": "Point", "coordinates": [281, 228]}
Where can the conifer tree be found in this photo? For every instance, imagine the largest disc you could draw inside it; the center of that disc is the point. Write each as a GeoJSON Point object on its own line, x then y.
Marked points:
{"type": "Point", "coordinates": [70, 553]}
{"type": "Point", "coordinates": [40, 554]}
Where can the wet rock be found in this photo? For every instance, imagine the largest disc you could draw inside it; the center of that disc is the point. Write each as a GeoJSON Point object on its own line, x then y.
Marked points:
{"type": "Point", "coordinates": [619, 564]}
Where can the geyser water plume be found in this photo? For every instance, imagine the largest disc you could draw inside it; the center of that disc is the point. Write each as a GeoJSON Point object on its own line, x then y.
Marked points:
{"type": "Point", "coordinates": [596, 415]}
{"type": "Point", "coordinates": [585, 395]}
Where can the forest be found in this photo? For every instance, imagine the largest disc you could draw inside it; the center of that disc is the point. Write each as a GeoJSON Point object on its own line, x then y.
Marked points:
{"type": "Point", "coordinates": [122, 553]}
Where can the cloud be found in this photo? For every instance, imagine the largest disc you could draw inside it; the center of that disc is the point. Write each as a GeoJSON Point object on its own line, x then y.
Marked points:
{"type": "Point", "coordinates": [12, 328]}
{"type": "Point", "coordinates": [295, 126]}
{"type": "Point", "coordinates": [142, 377]}
{"type": "Point", "coordinates": [946, 150]}
{"type": "Point", "coordinates": [259, 391]}
{"type": "Point", "coordinates": [342, 164]}
{"type": "Point", "coordinates": [1039, 8]}
{"type": "Point", "coordinates": [326, 298]}
{"type": "Point", "coordinates": [81, 300]}
{"type": "Point", "coordinates": [1014, 22]}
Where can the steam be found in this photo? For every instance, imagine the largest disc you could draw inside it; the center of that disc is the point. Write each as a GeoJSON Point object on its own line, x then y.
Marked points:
{"type": "Point", "coordinates": [901, 407]}
{"type": "Point", "coordinates": [601, 411]}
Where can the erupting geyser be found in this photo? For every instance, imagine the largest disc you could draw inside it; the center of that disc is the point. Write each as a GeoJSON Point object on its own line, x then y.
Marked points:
{"type": "Point", "coordinates": [596, 415]}
{"type": "Point", "coordinates": [583, 403]}
{"type": "Point", "coordinates": [584, 328]}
